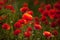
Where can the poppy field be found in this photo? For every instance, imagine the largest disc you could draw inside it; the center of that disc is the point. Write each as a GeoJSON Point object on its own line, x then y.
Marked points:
{"type": "Point", "coordinates": [29, 19]}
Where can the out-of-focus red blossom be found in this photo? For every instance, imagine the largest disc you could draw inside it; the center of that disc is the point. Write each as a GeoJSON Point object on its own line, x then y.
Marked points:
{"type": "Point", "coordinates": [52, 13]}
{"type": "Point", "coordinates": [1, 23]}
{"type": "Point", "coordinates": [5, 1]}
{"type": "Point", "coordinates": [47, 34]}
{"type": "Point", "coordinates": [42, 4]}
{"type": "Point", "coordinates": [4, 17]}
{"type": "Point", "coordinates": [2, 3]}
{"type": "Point", "coordinates": [22, 21]}
{"type": "Point", "coordinates": [36, 22]}
{"type": "Point", "coordinates": [17, 25]}
{"type": "Point", "coordinates": [27, 17]}
{"type": "Point", "coordinates": [46, 22]}
{"type": "Point", "coordinates": [45, 13]}
{"type": "Point", "coordinates": [24, 9]}
{"type": "Point", "coordinates": [55, 32]}
{"type": "Point", "coordinates": [25, 4]}
{"type": "Point", "coordinates": [13, 11]}
{"type": "Point", "coordinates": [30, 12]}
{"type": "Point", "coordinates": [36, 19]}
{"type": "Point", "coordinates": [58, 22]}
{"type": "Point", "coordinates": [36, 2]}
{"type": "Point", "coordinates": [43, 18]}
{"type": "Point", "coordinates": [6, 26]}
{"type": "Point", "coordinates": [10, 7]}
{"type": "Point", "coordinates": [57, 14]}
{"type": "Point", "coordinates": [17, 32]}
{"type": "Point", "coordinates": [27, 34]}
{"type": "Point", "coordinates": [37, 26]}
{"type": "Point", "coordinates": [53, 24]}
{"type": "Point", "coordinates": [29, 29]}
{"type": "Point", "coordinates": [40, 10]}
{"type": "Point", "coordinates": [57, 5]}
{"type": "Point", "coordinates": [1, 18]}
{"type": "Point", "coordinates": [48, 7]}
{"type": "Point", "coordinates": [0, 7]}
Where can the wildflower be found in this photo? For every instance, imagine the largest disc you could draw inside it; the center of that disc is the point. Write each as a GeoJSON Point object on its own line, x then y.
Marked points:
{"type": "Point", "coordinates": [47, 34]}
{"type": "Point", "coordinates": [6, 26]}
{"type": "Point", "coordinates": [16, 32]}
{"type": "Point", "coordinates": [27, 34]}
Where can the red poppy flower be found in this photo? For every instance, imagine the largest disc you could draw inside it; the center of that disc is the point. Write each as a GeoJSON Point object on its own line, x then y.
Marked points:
{"type": "Point", "coordinates": [58, 22]}
{"type": "Point", "coordinates": [55, 32]}
{"type": "Point", "coordinates": [22, 21]}
{"type": "Point", "coordinates": [48, 7]}
{"type": "Point", "coordinates": [25, 4]}
{"type": "Point", "coordinates": [47, 34]}
{"type": "Point", "coordinates": [1, 18]}
{"type": "Point", "coordinates": [57, 5]}
{"type": "Point", "coordinates": [2, 3]}
{"type": "Point", "coordinates": [10, 7]}
{"type": "Point", "coordinates": [24, 9]}
{"type": "Point", "coordinates": [53, 24]}
{"type": "Point", "coordinates": [17, 25]}
{"type": "Point", "coordinates": [6, 26]}
{"type": "Point", "coordinates": [52, 13]}
{"type": "Point", "coordinates": [36, 2]}
{"type": "Point", "coordinates": [30, 12]}
{"type": "Point", "coordinates": [5, 1]}
{"type": "Point", "coordinates": [0, 7]}
{"type": "Point", "coordinates": [43, 18]}
{"type": "Point", "coordinates": [16, 32]}
{"type": "Point", "coordinates": [45, 13]}
{"type": "Point", "coordinates": [37, 26]}
{"type": "Point", "coordinates": [40, 10]}
{"type": "Point", "coordinates": [29, 29]}
{"type": "Point", "coordinates": [27, 16]}
{"type": "Point", "coordinates": [27, 34]}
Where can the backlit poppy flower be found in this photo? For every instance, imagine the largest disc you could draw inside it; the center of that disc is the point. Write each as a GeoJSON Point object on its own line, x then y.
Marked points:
{"type": "Point", "coordinates": [27, 16]}
{"type": "Point", "coordinates": [47, 34]}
